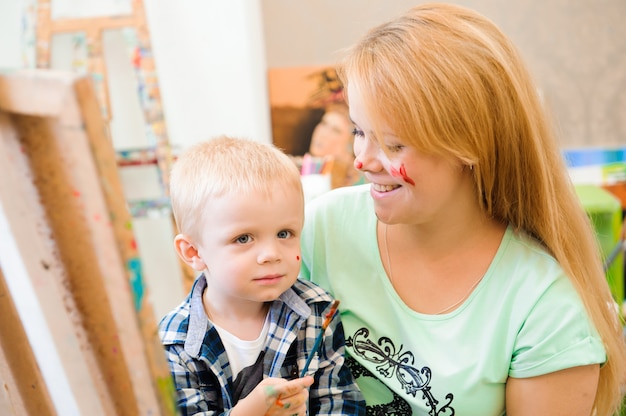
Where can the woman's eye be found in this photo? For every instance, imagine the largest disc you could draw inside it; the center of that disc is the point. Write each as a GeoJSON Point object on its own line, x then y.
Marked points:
{"type": "Point", "coordinates": [243, 239]}
{"type": "Point", "coordinates": [284, 234]}
{"type": "Point", "coordinates": [394, 147]}
{"type": "Point", "coordinates": [357, 133]}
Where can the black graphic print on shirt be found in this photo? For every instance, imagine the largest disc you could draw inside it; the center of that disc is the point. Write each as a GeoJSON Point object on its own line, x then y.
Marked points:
{"type": "Point", "coordinates": [391, 362]}
{"type": "Point", "coordinates": [396, 407]}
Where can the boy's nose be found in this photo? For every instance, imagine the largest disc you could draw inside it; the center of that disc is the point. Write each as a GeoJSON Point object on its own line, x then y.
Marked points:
{"type": "Point", "coordinates": [269, 252]}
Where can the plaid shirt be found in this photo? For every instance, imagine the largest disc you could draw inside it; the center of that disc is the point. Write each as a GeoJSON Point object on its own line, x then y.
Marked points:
{"type": "Point", "coordinates": [200, 367]}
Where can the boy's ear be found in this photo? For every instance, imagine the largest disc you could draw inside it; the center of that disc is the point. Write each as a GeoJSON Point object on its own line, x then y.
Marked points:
{"type": "Point", "coordinates": [188, 252]}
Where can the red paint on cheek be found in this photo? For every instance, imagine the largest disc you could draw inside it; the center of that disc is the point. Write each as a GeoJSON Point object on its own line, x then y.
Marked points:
{"type": "Point", "coordinates": [298, 258]}
{"type": "Point", "coordinates": [402, 174]}
{"type": "Point", "coordinates": [359, 164]}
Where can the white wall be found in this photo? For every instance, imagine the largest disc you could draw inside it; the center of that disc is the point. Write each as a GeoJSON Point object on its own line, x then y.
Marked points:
{"type": "Point", "coordinates": [211, 61]}
{"type": "Point", "coordinates": [10, 33]}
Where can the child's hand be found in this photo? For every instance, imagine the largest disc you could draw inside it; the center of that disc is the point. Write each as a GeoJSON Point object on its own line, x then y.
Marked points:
{"type": "Point", "coordinates": [286, 398]}
{"type": "Point", "coordinates": [276, 397]}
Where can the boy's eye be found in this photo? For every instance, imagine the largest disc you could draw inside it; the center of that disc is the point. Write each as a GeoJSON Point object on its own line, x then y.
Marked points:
{"type": "Point", "coordinates": [243, 239]}
{"type": "Point", "coordinates": [394, 147]}
{"type": "Point", "coordinates": [284, 234]}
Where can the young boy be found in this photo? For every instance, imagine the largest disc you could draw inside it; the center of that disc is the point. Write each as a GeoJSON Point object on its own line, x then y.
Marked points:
{"type": "Point", "coordinates": [237, 344]}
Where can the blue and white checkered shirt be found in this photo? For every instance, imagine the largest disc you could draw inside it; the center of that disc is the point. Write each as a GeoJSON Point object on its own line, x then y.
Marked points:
{"type": "Point", "coordinates": [200, 367]}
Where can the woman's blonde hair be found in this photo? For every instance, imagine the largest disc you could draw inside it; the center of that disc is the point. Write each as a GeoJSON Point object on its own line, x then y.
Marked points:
{"type": "Point", "coordinates": [221, 166]}
{"type": "Point", "coordinates": [446, 80]}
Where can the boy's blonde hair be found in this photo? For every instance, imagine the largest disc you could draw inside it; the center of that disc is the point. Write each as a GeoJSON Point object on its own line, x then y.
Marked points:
{"type": "Point", "coordinates": [221, 166]}
{"type": "Point", "coordinates": [446, 80]}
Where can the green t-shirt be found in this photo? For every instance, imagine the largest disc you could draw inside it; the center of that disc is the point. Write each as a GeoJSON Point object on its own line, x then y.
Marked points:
{"type": "Point", "coordinates": [524, 318]}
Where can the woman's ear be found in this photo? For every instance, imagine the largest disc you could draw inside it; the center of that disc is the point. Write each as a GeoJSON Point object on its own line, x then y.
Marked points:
{"type": "Point", "coordinates": [188, 252]}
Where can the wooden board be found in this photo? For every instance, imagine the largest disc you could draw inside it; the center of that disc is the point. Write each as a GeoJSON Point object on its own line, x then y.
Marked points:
{"type": "Point", "coordinates": [24, 391]}
{"type": "Point", "coordinates": [63, 217]}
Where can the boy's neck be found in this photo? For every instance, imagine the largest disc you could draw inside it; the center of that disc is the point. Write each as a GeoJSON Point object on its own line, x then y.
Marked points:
{"type": "Point", "coordinates": [245, 323]}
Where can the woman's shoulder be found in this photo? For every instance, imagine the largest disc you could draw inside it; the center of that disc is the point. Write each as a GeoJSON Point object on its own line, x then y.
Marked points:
{"type": "Point", "coordinates": [344, 192]}
{"type": "Point", "coordinates": [341, 199]}
{"type": "Point", "coordinates": [528, 247]}
{"type": "Point", "coordinates": [524, 256]}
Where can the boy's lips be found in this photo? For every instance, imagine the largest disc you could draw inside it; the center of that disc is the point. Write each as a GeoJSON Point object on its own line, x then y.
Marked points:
{"type": "Point", "coordinates": [270, 278]}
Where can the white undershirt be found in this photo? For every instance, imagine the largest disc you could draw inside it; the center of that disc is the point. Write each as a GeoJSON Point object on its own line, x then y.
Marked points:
{"type": "Point", "coordinates": [241, 353]}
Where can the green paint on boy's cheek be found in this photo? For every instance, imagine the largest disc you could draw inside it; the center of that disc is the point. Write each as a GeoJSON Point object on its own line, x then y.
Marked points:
{"type": "Point", "coordinates": [136, 281]}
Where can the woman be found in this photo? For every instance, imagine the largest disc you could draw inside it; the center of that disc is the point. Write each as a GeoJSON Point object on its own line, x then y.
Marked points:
{"type": "Point", "coordinates": [332, 138]}
{"type": "Point", "coordinates": [469, 275]}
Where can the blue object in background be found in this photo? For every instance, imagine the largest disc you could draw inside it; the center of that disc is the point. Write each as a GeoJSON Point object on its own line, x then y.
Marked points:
{"type": "Point", "coordinates": [594, 156]}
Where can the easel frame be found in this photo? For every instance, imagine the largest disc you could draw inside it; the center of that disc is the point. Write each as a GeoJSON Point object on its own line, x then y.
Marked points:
{"type": "Point", "coordinates": [145, 69]}
{"type": "Point", "coordinates": [61, 214]}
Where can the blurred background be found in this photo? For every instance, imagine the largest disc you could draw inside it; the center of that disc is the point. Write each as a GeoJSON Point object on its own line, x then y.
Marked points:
{"type": "Point", "coordinates": [224, 66]}
{"type": "Point", "coordinates": [213, 57]}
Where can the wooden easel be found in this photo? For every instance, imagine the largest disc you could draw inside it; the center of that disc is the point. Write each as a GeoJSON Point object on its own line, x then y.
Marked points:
{"type": "Point", "coordinates": [143, 62]}
{"type": "Point", "coordinates": [149, 96]}
{"type": "Point", "coordinates": [150, 100]}
{"type": "Point", "coordinates": [24, 392]}
{"type": "Point", "coordinates": [58, 185]}
{"type": "Point", "coordinates": [93, 28]}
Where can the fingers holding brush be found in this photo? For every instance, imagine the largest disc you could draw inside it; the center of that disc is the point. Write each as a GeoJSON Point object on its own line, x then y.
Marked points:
{"type": "Point", "coordinates": [290, 398]}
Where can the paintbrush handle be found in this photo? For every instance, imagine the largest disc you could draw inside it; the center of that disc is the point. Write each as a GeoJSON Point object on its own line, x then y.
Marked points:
{"type": "Point", "coordinates": [316, 347]}
{"type": "Point", "coordinates": [318, 339]}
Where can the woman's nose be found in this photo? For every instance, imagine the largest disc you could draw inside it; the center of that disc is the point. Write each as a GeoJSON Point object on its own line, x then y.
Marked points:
{"type": "Point", "coordinates": [366, 155]}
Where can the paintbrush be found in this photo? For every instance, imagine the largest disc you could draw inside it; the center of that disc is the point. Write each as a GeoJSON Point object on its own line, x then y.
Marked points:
{"type": "Point", "coordinates": [316, 345]}
{"type": "Point", "coordinates": [320, 336]}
